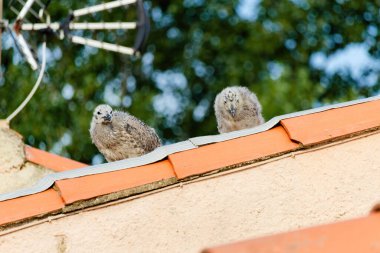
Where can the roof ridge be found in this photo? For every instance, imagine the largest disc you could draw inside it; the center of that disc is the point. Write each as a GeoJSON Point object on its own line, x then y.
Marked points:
{"type": "Point", "coordinates": [164, 151]}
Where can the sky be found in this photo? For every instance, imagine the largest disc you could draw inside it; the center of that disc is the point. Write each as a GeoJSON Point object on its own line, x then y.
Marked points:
{"type": "Point", "coordinates": [354, 58]}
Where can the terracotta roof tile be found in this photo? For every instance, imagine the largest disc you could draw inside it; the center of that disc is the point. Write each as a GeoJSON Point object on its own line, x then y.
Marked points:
{"type": "Point", "coordinates": [360, 235]}
{"type": "Point", "coordinates": [308, 129]}
{"type": "Point", "coordinates": [29, 206]}
{"type": "Point", "coordinates": [51, 161]}
{"type": "Point", "coordinates": [218, 155]}
{"type": "Point", "coordinates": [318, 127]}
{"type": "Point", "coordinates": [96, 185]}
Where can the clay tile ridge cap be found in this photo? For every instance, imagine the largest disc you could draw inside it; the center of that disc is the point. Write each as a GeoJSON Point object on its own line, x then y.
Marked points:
{"type": "Point", "coordinates": [196, 143]}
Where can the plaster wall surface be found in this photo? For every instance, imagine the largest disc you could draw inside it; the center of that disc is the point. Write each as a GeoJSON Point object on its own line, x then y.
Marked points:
{"type": "Point", "coordinates": [321, 186]}
{"type": "Point", "coordinates": [25, 177]}
{"type": "Point", "coordinates": [15, 172]}
{"type": "Point", "coordinates": [12, 154]}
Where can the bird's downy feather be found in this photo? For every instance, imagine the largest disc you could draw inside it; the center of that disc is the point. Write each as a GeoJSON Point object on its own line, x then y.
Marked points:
{"type": "Point", "coordinates": [237, 108]}
{"type": "Point", "coordinates": [124, 136]}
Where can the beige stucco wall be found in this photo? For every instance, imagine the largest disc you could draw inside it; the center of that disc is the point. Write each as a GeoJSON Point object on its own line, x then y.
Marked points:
{"type": "Point", "coordinates": [326, 185]}
{"type": "Point", "coordinates": [15, 172]}
{"type": "Point", "coordinates": [25, 177]}
{"type": "Point", "coordinates": [12, 155]}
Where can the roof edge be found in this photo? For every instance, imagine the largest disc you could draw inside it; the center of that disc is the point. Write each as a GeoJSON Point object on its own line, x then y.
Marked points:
{"type": "Point", "coordinates": [164, 151]}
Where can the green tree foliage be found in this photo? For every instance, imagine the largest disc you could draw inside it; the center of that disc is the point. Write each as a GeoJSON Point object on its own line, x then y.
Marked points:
{"type": "Point", "coordinates": [195, 49]}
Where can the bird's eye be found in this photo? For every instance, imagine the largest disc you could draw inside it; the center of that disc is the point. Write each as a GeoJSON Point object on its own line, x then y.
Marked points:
{"type": "Point", "coordinates": [98, 113]}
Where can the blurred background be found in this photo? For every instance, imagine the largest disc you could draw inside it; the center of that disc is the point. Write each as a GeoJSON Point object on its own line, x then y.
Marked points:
{"type": "Point", "coordinates": [294, 54]}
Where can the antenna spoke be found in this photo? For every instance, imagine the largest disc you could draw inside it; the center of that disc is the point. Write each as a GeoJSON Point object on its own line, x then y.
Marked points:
{"type": "Point", "coordinates": [31, 10]}
{"type": "Point", "coordinates": [26, 51]}
{"type": "Point", "coordinates": [15, 11]}
{"type": "Point", "coordinates": [40, 4]}
{"type": "Point", "coordinates": [102, 7]}
{"type": "Point", "coordinates": [25, 9]}
{"type": "Point", "coordinates": [81, 26]}
{"type": "Point", "coordinates": [102, 45]}
{"type": "Point", "coordinates": [103, 26]}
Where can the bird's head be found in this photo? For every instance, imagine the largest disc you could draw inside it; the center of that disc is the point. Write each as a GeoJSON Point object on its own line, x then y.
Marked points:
{"type": "Point", "coordinates": [231, 101]}
{"type": "Point", "coordinates": [102, 114]}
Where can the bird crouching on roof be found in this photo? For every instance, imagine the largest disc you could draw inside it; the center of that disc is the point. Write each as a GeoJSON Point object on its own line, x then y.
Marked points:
{"type": "Point", "coordinates": [119, 135]}
{"type": "Point", "coordinates": [237, 108]}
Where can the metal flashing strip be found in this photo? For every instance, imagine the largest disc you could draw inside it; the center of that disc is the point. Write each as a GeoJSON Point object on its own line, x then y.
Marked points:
{"type": "Point", "coordinates": [204, 140]}
{"type": "Point", "coordinates": [47, 181]}
{"type": "Point", "coordinates": [162, 152]}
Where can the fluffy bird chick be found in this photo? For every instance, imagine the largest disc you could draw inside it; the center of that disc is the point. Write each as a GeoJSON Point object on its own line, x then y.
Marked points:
{"type": "Point", "coordinates": [237, 108]}
{"type": "Point", "coordinates": [119, 135]}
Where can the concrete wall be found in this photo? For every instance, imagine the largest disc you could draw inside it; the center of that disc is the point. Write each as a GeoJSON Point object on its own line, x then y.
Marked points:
{"type": "Point", "coordinates": [322, 186]}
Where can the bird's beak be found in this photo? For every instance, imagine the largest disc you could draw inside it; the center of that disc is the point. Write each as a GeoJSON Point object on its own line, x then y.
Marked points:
{"type": "Point", "coordinates": [107, 117]}
{"type": "Point", "coordinates": [232, 111]}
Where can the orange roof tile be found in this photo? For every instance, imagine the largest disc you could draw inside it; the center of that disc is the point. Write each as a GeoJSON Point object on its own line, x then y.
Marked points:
{"type": "Point", "coordinates": [51, 161]}
{"type": "Point", "coordinates": [318, 127]}
{"type": "Point", "coordinates": [307, 129]}
{"type": "Point", "coordinates": [218, 155]}
{"type": "Point", "coordinates": [360, 235]}
{"type": "Point", "coordinates": [25, 207]}
{"type": "Point", "coordinates": [96, 185]}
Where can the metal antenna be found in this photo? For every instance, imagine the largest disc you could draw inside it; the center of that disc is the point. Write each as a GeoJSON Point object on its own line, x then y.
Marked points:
{"type": "Point", "coordinates": [35, 87]}
{"type": "Point", "coordinates": [15, 28]}
{"type": "Point", "coordinates": [63, 29]}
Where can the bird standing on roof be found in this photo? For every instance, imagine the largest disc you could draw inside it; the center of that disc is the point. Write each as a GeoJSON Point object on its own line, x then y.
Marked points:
{"type": "Point", "coordinates": [119, 135]}
{"type": "Point", "coordinates": [237, 108]}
